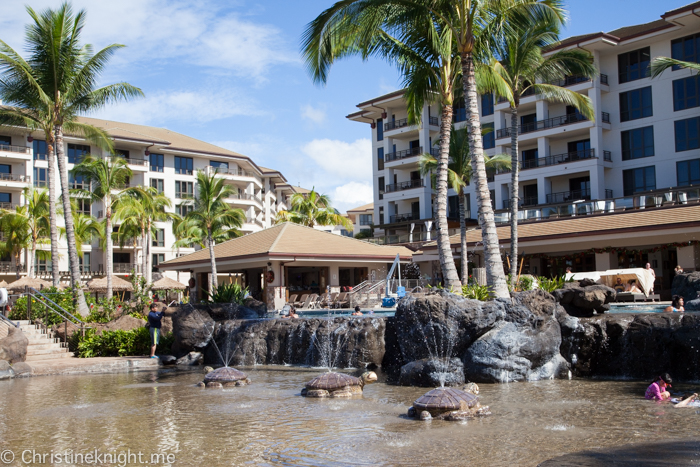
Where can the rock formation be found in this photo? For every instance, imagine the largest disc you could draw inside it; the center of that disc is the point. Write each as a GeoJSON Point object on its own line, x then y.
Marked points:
{"type": "Point", "coordinates": [13, 347]}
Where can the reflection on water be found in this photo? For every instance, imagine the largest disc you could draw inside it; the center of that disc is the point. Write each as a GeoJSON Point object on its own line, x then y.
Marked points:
{"type": "Point", "coordinates": [268, 423]}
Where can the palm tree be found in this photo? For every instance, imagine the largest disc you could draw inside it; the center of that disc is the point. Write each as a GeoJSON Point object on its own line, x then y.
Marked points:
{"type": "Point", "coordinates": [521, 68]}
{"type": "Point", "coordinates": [37, 213]}
{"type": "Point", "coordinates": [54, 86]}
{"type": "Point", "coordinates": [188, 233]}
{"type": "Point", "coordinates": [459, 174]}
{"type": "Point", "coordinates": [661, 64]}
{"type": "Point", "coordinates": [87, 228]}
{"type": "Point", "coordinates": [104, 175]}
{"type": "Point", "coordinates": [211, 211]}
{"type": "Point", "coordinates": [312, 209]}
{"type": "Point", "coordinates": [16, 227]}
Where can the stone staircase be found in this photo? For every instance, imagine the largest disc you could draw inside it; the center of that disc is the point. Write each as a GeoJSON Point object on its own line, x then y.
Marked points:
{"type": "Point", "coordinates": [42, 346]}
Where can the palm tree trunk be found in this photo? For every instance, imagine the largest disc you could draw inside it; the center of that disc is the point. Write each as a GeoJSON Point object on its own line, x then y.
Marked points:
{"type": "Point", "coordinates": [108, 242]}
{"type": "Point", "coordinates": [53, 222]}
{"type": "Point", "coordinates": [495, 277]}
{"type": "Point", "coordinates": [70, 230]}
{"type": "Point", "coordinates": [30, 260]}
{"type": "Point", "coordinates": [149, 259]}
{"type": "Point", "coordinates": [135, 260]}
{"type": "Point", "coordinates": [18, 262]}
{"type": "Point", "coordinates": [144, 252]}
{"type": "Point", "coordinates": [514, 198]}
{"type": "Point", "coordinates": [213, 281]}
{"type": "Point", "coordinates": [463, 238]}
{"type": "Point", "coordinates": [447, 263]}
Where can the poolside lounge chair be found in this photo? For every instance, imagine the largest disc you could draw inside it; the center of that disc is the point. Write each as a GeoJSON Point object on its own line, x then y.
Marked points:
{"type": "Point", "coordinates": [342, 301]}
{"type": "Point", "coordinates": [307, 303]}
{"type": "Point", "coordinates": [322, 300]}
{"type": "Point", "coordinates": [313, 299]}
{"type": "Point", "coordinates": [301, 301]}
{"type": "Point", "coordinates": [330, 301]}
{"type": "Point", "coordinates": [292, 299]}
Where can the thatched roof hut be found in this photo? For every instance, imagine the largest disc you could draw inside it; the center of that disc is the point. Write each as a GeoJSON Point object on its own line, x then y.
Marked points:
{"type": "Point", "coordinates": [3, 284]}
{"type": "Point", "coordinates": [167, 283]}
{"type": "Point", "coordinates": [118, 285]}
{"type": "Point", "coordinates": [34, 282]}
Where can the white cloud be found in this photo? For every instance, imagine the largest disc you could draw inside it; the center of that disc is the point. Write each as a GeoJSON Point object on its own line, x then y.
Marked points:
{"type": "Point", "coordinates": [351, 195]}
{"type": "Point", "coordinates": [342, 162]}
{"type": "Point", "coordinates": [317, 116]}
{"type": "Point", "coordinates": [188, 106]}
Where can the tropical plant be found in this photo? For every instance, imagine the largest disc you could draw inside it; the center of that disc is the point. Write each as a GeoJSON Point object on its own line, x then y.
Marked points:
{"type": "Point", "coordinates": [477, 292]}
{"type": "Point", "coordinates": [211, 212]}
{"type": "Point", "coordinates": [52, 88]}
{"type": "Point", "coordinates": [661, 64]}
{"type": "Point", "coordinates": [37, 213]}
{"type": "Point", "coordinates": [459, 174]}
{"type": "Point", "coordinates": [188, 233]}
{"type": "Point", "coordinates": [312, 209]}
{"type": "Point", "coordinates": [520, 68]}
{"type": "Point", "coordinates": [65, 298]}
{"type": "Point", "coordinates": [86, 228]}
{"type": "Point", "coordinates": [16, 234]}
{"type": "Point", "coordinates": [104, 176]}
{"type": "Point", "coordinates": [228, 293]}
{"type": "Point", "coordinates": [551, 284]}
{"type": "Point", "coordinates": [118, 343]}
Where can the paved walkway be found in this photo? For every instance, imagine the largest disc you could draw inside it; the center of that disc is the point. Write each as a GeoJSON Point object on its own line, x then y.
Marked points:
{"type": "Point", "coordinates": [73, 365]}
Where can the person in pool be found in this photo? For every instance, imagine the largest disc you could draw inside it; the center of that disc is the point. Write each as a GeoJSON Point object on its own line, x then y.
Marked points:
{"type": "Point", "coordinates": [676, 305]}
{"type": "Point", "coordinates": [358, 311]}
{"type": "Point", "coordinates": [657, 389]}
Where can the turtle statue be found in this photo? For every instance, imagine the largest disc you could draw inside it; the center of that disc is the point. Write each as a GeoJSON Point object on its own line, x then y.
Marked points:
{"type": "Point", "coordinates": [225, 377]}
{"type": "Point", "coordinates": [449, 404]}
{"type": "Point", "coordinates": [333, 384]}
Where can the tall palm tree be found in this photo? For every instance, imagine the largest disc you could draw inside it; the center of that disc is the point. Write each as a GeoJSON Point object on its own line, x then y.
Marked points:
{"type": "Point", "coordinates": [37, 213]}
{"type": "Point", "coordinates": [188, 233]}
{"type": "Point", "coordinates": [212, 210]}
{"type": "Point", "coordinates": [521, 68]}
{"type": "Point", "coordinates": [16, 227]}
{"type": "Point", "coordinates": [311, 209]}
{"type": "Point", "coordinates": [459, 174]}
{"type": "Point", "coordinates": [59, 82]}
{"type": "Point", "coordinates": [87, 228]}
{"type": "Point", "coordinates": [106, 177]}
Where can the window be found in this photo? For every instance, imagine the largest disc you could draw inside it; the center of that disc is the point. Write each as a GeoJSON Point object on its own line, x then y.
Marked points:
{"type": "Point", "coordinates": [530, 157]}
{"type": "Point", "coordinates": [633, 65]}
{"type": "Point", "coordinates": [40, 150]}
{"type": "Point", "coordinates": [121, 153]}
{"type": "Point", "coordinates": [453, 207]}
{"type": "Point", "coordinates": [636, 180]}
{"type": "Point", "coordinates": [380, 181]}
{"type": "Point", "coordinates": [218, 164]}
{"type": "Point", "coordinates": [157, 259]}
{"type": "Point", "coordinates": [380, 158]}
{"type": "Point", "coordinates": [183, 209]}
{"type": "Point", "coordinates": [40, 180]}
{"type": "Point", "coordinates": [687, 134]}
{"type": "Point", "coordinates": [5, 169]}
{"type": "Point", "coordinates": [159, 238]}
{"type": "Point", "coordinates": [158, 184]}
{"type": "Point", "coordinates": [459, 112]}
{"type": "Point", "coordinates": [637, 143]}
{"type": "Point", "coordinates": [380, 130]}
{"type": "Point", "coordinates": [686, 49]}
{"type": "Point", "coordinates": [76, 182]}
{"type": "Point", "coordinates": [121, 258]}
{"type": "Point", "coordinates": [84, 262]}
{"type": "Point", "coordinates": [489, 136]}
{"type": "Point", "coordinates": [5, 141]}
{"type": "Point", "coordinates": [84, 206]}
{"type": "Point", "coordinates": [76, 152]}
{"type": "Point", "coordinates": [5, 198]}
{"type": "Point", "coordinates": [183, 165]}
{"type": "Point", "coordinates": [686, 93]}
{"type": "Point", "coordinates": [688, 172]}
{"type": "Point", "coordinates": [184, 189]}
{"type": "Point", "coordinates": [40, 264]}
{"type": "Point", "coordinates": [157, 162]}
{"type": "Point", "coordinates": [486, 105]}
{"type": "Point", "coordinates": [635, 104]}
{"type": "Point", "coordinates": [365, 219]}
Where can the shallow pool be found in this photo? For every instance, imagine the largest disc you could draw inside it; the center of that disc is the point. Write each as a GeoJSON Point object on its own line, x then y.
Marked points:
{"type": "Point", "coordinates": [637, 308]}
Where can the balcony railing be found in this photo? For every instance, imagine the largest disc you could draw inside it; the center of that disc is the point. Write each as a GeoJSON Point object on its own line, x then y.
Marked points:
{"type": "Point", "coordinates": [393, 156]}
{"type": "Point", "coordinates": [246, 196]}
{"type": "Point", "coordinates": [546, 124]}
{"type": "Point", "coordinates": [11, 267]}
{"type": "Point", "coordinates": [559, 159]}
{"type": "Point", "coordinates": [233, 171]}
{"type": "Point", "coordinates": [40, 183]}
{"type": "Point", "coordinates": [433, 121]}
{"type": "Point", "coordinates": [605, 117]}
{"type": "Point", "coordinates": [415, 237]}
{"type": "Point", "coordinates": [14, 178]}
{"type": "Point", "coordinates": [141, 162]}
{"type": "Point", "coordinates": [526, 201]}
{"type": "Point", "coordinates": [564, 196]}
{"type": "Point", "coordinates": [404, 185]}
{"type": "Point", "coordinates": [184, 195]}
{"type": "Point", "coordinates": [404, 218]}
{"type": "Point", "coordinates": [254, 220]}
{"type": "Point", "coordinates": [18, 149]}
{"type": "Point", "coordinates": [403, 122]}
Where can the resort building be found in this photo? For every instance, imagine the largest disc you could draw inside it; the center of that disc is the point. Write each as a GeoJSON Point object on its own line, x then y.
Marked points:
{"type": "Point", "coordinates": [159, 158]}
{"type": "Point", "coordinates": [642, 151]}
{"type": "Point", "coordinates": [362, 218]}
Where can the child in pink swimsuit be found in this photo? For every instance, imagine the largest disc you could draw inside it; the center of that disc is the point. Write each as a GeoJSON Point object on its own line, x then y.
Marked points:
{"type": "Point", "coordinates": [657, 390]}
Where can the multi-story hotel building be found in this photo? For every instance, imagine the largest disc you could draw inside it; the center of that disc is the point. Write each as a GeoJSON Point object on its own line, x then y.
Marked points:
{"type": "Point", "coordinates": [159, 158]}
{"type": "Point", "coordinates": [642, 150]}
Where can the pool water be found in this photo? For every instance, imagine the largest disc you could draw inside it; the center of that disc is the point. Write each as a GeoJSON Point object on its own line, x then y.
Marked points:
{"type": "Point", "coordinates": [637, 308]}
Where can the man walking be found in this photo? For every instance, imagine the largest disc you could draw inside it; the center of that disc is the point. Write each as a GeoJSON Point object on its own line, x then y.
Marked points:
{"type": "Point", "coordinates": [154, 323]}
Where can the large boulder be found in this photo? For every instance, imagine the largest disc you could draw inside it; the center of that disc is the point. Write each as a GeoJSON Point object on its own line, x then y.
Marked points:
{"type": "Point", "coordinates": [256, 305]}
{"type": "Point", "coordinates": [123, 323]}
{"type": "Point", "coordinates": [192, 329]}
{"type": "Point", "coordinates": [585, 298]}
{"type": "Point", "coordinates": [430, 373]}
{"type": "Point", "coordinates": [13, 347]}
{"type": "Point", "coordinates": [6, 371]}
{"type": "Point", "coordinates": [692, 305]}
{"type": "Point", "coordinates": [687, 285]}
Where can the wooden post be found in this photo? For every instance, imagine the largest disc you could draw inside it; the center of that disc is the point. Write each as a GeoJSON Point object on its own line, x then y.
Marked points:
{"type": "Point", "coordinates": [29, 302]}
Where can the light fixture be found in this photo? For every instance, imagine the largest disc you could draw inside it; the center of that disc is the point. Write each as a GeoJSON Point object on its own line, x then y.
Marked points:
{"type": "Point", "coordinates": [30, 138]}
{"type": "Point", "coordinates": [147, 152]}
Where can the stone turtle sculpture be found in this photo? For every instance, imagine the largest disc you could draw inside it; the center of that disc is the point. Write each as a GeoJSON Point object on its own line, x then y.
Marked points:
{"type": "Point", "coordinates": [224, 377]}
{"type": "Point", "coordinates": [333, 384]}
{"type": "Point", "coordinates": [449, 404]}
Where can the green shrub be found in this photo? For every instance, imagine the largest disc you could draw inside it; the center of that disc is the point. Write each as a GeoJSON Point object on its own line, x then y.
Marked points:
{"type": "Point", "coordinates": [228, 293]}
{"type": "Point", "coordinates": [118, 343]}
{"type": "Point", "coordinates": [550, 285]}
{"type": "Point", "coordinates": [525, 283]}
{"type": "Point", "coordinates": [477, 292]}
{"type": "Point", "coordinates": [63, 298]}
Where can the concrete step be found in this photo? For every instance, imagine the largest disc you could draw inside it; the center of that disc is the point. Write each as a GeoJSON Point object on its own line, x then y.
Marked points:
{"type": "Point", "coordinates": [22, 321]}
{"type": "Point", "coordinates": [32, 347]}
{"type": "Point", "coordinates": [51, 350]}
{"type": "Point", "coordinates": [34, 358]}
{"type": "Point", "coordinates": [42, 339]}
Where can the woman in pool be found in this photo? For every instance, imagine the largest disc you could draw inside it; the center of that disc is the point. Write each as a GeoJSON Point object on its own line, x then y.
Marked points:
{"type": "Point", "coordinates": [657, 389]}
{"type": "Point", "coordinates": [676, 305]}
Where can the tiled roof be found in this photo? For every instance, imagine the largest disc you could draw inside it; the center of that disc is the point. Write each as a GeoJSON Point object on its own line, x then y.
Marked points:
{"type": "Point", "coordinates": [365, 207]}
{"type": "Point", "coordinates": [292, 239]}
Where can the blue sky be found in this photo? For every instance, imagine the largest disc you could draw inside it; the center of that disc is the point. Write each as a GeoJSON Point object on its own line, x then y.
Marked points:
{"type": "Point", "coordinates": [230, 73]}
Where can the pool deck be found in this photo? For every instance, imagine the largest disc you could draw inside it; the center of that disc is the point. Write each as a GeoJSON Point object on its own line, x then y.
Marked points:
{"type": "Point", "coordinates": [74, 365]}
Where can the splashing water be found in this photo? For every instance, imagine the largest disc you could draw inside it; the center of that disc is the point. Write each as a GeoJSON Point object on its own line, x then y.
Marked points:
{"type": "Point", "coordinates": [330, 344]}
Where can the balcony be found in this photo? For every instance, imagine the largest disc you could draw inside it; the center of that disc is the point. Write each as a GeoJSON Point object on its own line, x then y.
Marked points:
{"type": "Point", "coordinates": [184, 194]}
{"type": "Point", "coordinates": [564, 196]}
{"type": "Point", "coordinates": [407, 185]}
{"type": "Point", "coordinates": [526, 201]}
{"type": "Point", "coordinates": [245, 197]}
{"type": "Point", "coordinates": [546, 124]}
{"type": "Point", "coordinates": [14, 178]}
{"type": "Point", "coordinates": [404, 218]}
{"type": "Point", "coordinates": [22, 151]}
{"type": "Point", "coordinates": [415, 237]}
{"type": "Point", "coordinates": [10, 267]}
{"type": "Point", "coordinates": [255, 221]}
{"type": "Point", "coordinates": [403, 123]}
{"type": "Point", "coordinates": [406, 153]}
{"type": "Point", "coordinates": [556, 159]}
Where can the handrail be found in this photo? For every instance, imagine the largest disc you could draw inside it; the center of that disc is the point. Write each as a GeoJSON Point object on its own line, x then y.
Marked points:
{"type": "Point", "coordinates": [55, 304]}
{"type": "Point", "coordinates": [5, 318]}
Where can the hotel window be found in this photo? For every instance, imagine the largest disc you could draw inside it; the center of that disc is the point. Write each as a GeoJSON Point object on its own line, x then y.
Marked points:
{"type": "Point", "coordinates": [41, 149]}
{"type": "Point", "coordinates": [380, 129]}
{"type": "Point", "coordinates": [633, 65]}
{"type": "Point", "coordinates": [84, 262]}
{"type": "Point", "coordinates": [635, 104]}
{"type": "Point", "coordinates": [158, 184]}
{"type": "Point", "coordinates": [381, 215]}
{"type": "Point", "coordinates": [686, 93]}
{"type": "Point", "coordinates": [489, 136]}
{"type": "Point", "coordinates": [159, 238]}
{"type": "Point", "coordinates": [637, 143]}
{"type": "Point", "coordinates": [5, 169]}
{"type": "Point", "coordinates": [41, 262]}
{"type": "Point", "coordinates": [157, 162]}
{"type": "Point", "coordinates": [686, 49]}
{"type": "Point", "coordinates": [219, 165]}
{"type": "Point", "coordinates": [688, 172]}
{"type": "Point", "coordinates": [5, 198]}
{"type": "Point", "coordinates": [84, 206]}
{"type": "Point", "coordinates": [183, 165]}
{"type": "Point", "coordinates": [40, 174]}
{"type": "Point", "coordinates": [687, 134]}
{"type": "Point", "coordinates": [453, 207]}
{"type": "Point", "coordinates": [121, 153]}
{"type": "Point", "coordinates": [380, 182]}
{"type": "Point", "coordinates": [76, 152]}
{"type": "Point", "coordinates": [365, 219]}
{"type": "Point", "coordinates": [121, 258]}
{"type": "Point", "coordinates": [459, 112]}
{"type": "Point", "coordinates": [380, 158]}
{"type": "Point", "coordinates": [76, 182]}
{"type": "Point", "coordinates": [5, 140]}
{"type": "Point", "coordinates": [636, 180]}
{"type": "Point", "coordinates": [184, 189]}
{"type": "Point", "coordinates": [184, 209]}
{"type": "Point", "coordinates": [157, 259]}
{"type": "Point", "coordinates": [486, 105]}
